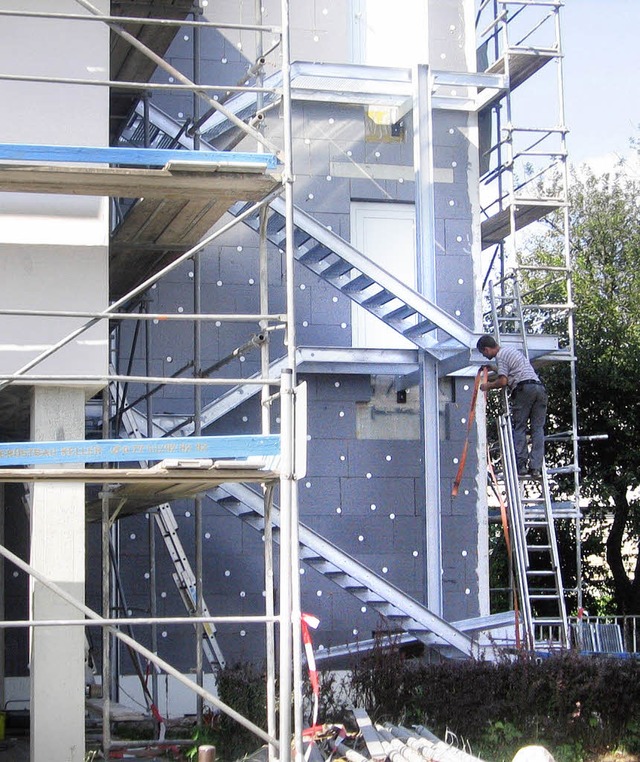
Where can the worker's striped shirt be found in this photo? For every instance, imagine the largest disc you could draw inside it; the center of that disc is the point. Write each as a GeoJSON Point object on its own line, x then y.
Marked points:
{"type": "Point", "coordinates": [515, 366]}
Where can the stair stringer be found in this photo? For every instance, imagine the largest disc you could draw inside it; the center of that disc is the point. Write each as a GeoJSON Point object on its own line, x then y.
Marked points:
{"type": "Point", "coordinates": [350, 575]}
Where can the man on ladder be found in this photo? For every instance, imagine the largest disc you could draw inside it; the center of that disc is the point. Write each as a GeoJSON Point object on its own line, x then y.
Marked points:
{"type": "Point", "coordinates": [528, 401]}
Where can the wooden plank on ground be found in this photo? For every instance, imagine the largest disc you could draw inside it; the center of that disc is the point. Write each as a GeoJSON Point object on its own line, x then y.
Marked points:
{"type": "Point", "coordinates": [370, 736]}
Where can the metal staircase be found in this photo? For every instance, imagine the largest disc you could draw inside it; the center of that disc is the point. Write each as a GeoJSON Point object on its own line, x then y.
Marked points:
{"type": "Point", "coordinates": [366, 283]}
{"type": "Point", "coordinates": [401, 611]}
{"type": "Point", "coordinates": [428, 326]}
{"type": "Point", "coordinates": [228, 401]}
{"type": "Point", "coordinates": [183, 575]}
{"type": "Point", "coordinates": [338, 263]}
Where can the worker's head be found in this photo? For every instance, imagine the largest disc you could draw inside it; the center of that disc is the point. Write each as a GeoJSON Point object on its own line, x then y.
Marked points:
{"type": "Point", "coordinates": [488, 346]}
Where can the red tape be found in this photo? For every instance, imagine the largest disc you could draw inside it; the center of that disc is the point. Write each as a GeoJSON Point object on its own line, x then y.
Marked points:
{"type": "Point", "coordinates": [307, 621]}
{"type": "Point", "coordinates": [481, 375]}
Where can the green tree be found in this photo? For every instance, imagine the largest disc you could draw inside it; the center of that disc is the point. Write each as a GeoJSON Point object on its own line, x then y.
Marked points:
{"type": "Point", "coordinates": [604, 226]}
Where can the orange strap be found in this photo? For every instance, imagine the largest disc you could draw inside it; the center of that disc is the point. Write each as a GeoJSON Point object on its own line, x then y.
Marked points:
{"type": "Point", "coordinates": [481, 376]}
{"type": "Point", "coordinates": [503, 508]}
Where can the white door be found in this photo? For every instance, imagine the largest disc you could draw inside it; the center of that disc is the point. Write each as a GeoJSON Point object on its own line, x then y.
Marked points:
{"type": "Point", "coordinates": [386, 234]}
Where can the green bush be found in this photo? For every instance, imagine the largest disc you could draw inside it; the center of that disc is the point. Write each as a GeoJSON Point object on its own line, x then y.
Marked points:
{"type": "Point", "coordinates": [243, 687]}
{"type": "Point", "coordinates": [578, 706]}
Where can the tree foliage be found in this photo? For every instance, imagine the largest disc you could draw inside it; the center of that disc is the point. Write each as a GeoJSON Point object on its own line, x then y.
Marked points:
{"type": "Point", "coordinates": [604, 227]}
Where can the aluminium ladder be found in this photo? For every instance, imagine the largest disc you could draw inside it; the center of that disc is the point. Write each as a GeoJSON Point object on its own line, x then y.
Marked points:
{"type": "Point", "coordinates": [531, 510]}
{"type": "Point", "coordinates": [535, 549]}
{"type": "Point", "coordinates": [183, 575]}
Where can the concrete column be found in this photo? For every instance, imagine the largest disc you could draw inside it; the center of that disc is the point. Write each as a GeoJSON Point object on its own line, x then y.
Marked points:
{"type": "Point", "coordinates": [58, 551]}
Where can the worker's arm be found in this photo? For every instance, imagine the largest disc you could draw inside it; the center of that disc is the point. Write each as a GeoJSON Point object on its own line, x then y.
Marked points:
{"type": "Point", "coordinates": [497, 383]}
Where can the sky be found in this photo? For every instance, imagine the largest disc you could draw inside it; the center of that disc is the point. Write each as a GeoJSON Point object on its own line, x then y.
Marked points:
{"type": "Point", "coordinates": [601, 45]}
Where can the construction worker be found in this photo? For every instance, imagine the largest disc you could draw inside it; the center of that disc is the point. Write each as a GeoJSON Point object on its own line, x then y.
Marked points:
{"type": "Point", "coordinates": [528, 401]}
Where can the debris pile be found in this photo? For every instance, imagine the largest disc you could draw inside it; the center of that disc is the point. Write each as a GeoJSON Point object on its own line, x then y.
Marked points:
{"type": "Point", "coordinates": [378, 743]}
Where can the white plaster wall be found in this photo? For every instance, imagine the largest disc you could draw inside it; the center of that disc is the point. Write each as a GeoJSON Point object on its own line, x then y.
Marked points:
{"type": "Point", "coordinates": [53, 248]}
{"type": "Point", "coordinates": [52, 278]}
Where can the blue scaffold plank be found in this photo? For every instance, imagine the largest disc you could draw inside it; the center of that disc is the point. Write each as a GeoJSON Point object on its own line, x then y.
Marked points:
{"type": "Point", "coordinates": [122, 450]}
{"type": "Point", "coordinates": [137, 157]}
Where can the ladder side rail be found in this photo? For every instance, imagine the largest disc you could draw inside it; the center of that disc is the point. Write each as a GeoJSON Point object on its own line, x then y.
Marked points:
{"type": "Point", "coordinates": [494, 311]}
{"type": "Point", "coordinates": [570, 318]}
{"type": "Point", "coordinates": [516, 513]}
{"type": "Point", "coordinates": [513, 490]}
{"type": "Point", "coordinates": [183, 576]}
{"type": "Point", "coordinates": [518, 307]}
{"type": "Point", "coordinates": [516, 517]}
{"type": "Point", "coordinates": [555, 556]}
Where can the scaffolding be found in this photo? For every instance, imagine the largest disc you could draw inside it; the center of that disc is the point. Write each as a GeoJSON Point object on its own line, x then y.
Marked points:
{"type": "Point", "coordinates": [524, 179]}
{"type": "Point", "coordinates": [212, 181]}
{"type": "Point", "coordinates": [167, 161]}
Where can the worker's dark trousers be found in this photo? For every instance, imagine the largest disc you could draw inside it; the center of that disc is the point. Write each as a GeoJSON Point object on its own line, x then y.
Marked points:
{"type": "Point", "coordinates": [529, 406]}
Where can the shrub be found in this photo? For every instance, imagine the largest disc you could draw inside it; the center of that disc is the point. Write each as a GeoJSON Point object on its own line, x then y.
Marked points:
{"type": "Point", "coordinates": [576, 704]}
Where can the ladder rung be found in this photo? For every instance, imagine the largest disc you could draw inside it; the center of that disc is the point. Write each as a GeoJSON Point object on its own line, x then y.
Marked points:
{"type": "Point", "coordinates": [563, 470]}
{"type": "Point", "coordinates": [548, 621]}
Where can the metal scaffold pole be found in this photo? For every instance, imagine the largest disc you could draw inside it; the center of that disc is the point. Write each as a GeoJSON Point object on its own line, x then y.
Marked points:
{"type": "Point", "coordinates": [290, 648]}
{"type": "Point", "coordinates": [570, 323]}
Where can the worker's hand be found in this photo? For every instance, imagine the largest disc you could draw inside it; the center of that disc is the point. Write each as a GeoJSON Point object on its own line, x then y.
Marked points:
{"type": "Point", "coordinates": [484, 387]}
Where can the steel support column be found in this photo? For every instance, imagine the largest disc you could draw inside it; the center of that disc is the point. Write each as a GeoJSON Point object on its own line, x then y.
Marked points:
{"type": "Point", "coordinates": [425, 252]}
